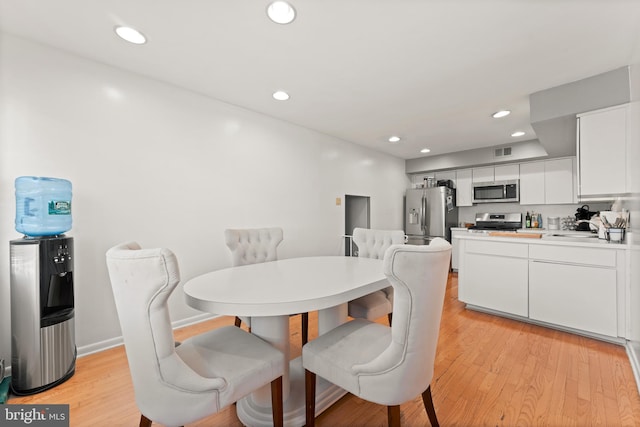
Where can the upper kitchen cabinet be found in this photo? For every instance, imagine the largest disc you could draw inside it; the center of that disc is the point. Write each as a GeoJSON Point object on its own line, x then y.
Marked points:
{"type": "Point", "coordinates": [464, 187]}
{"type": "Point", "coordinates": [507, 172]}
{"type": "Point", "coordinates": [496, 173]}
{"type": "Point", "coordinates": [607, 144]}
{"type": "Point", "coordinates": [559, 181]}
{"type": "Point", "coordinates": [547, 182]}
{"type": "Point", "coordinates": [485, 174]}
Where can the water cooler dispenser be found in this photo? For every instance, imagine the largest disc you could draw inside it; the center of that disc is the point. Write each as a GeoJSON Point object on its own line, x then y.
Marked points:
{"type": "Point", "coordinates": [43, 350]}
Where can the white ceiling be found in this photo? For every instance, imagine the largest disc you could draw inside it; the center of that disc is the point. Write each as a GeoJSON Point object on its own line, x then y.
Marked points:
{"type": "Point", "coordinates": [429, 71]}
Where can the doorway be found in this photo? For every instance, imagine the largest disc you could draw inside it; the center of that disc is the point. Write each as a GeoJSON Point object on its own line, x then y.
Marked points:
{"type": "Point", "coordinates": [356, 214]}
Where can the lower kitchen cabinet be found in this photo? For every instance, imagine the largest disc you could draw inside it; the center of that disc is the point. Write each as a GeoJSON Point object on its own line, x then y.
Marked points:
{"type": "Point", "coordinates": [494, 275]}
{"type": "Point", "coordinates": [578, 288]}
{"type": "Point", "coordinates": [576, 296]}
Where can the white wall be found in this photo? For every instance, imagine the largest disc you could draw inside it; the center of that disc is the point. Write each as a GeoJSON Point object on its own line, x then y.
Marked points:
{"type": "Point", "coordinates": [167, 167]}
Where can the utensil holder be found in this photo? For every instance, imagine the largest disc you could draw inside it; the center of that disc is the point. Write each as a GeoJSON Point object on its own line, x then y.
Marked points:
{"type": "Point", "coordinates": [615, 235]}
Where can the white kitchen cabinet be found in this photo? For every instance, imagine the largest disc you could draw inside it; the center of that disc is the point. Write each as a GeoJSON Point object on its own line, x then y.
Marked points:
{"type": "Point", "coordinates": [532, 185]}
{"type": "Point", "coordinates": [581, 288]}
{"type": "Point", "coordinates": [485, 174]}
{"type": "Point", "coordinates": [559, 181]}
{"type": "Point", "coordinates": [602, 145]}
{"type": "Point", "coordinates": [494, 275]}
{"type": "Point", "coordinates": [464, 187]}
{"type": "Point", "coordinates": [572, 295]}
{"type": "Point", "coordinates": [547, 182]}
{"type": "Point", "coordinates": [507, 172]}
{"type": "Point", "coordinates": [455, 247]}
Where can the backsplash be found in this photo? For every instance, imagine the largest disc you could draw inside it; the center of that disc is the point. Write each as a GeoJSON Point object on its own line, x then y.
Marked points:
{"type": "Point", "coordinates": [468, 213]}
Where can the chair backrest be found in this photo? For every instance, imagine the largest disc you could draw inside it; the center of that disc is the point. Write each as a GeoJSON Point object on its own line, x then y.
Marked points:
{"type": "Point", "coordinates": [418, 274]}
{"type": "Point", "coordinates": [373, 243]}
{"type": "Point", "coordinates": [253, 245]}
{"type": "Point", "coordinates": [166, 389]}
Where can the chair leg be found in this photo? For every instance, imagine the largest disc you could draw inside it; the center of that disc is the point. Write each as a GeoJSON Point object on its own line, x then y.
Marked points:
{"type": "Point", "coordinates": [238, 322]}
{"type": "Point", "coordinates": [393, 415]}
{"type": "Point", "coordinates": [390, 316]}
{"type": "Point", "coordinates": [144, 421]}
{"type": "Point", "coordinates": [305, 328]}
{"type": "Point", "coordinates": [428, 406]}
{"type": "Point", "coordinates": [310, 397]}
{"type": "Point", "coordinates": [276, 402]}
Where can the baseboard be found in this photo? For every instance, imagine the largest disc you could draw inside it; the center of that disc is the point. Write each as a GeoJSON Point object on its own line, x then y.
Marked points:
{"type": "Point", "coordinates": [635, 363]}
{"type": "Point", "coordinates": [117, 341]}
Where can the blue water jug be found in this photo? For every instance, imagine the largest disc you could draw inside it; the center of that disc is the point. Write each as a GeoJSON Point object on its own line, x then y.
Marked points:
{"type": "Point", "coordinates": [43, 206]}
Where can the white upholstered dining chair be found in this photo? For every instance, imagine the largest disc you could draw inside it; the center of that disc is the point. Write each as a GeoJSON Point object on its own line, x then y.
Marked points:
{"type": "Point", "coordinates": [207, 372]}
{"type": "Point", "coordinates": [373, 244]}
{"type": "Point", "coordinates": [255, 245]}
{"type": "Point", "coordinates": [382, 364]}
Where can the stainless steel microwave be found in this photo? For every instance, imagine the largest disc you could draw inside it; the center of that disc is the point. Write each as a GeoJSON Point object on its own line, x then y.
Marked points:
{"type": "Point", "coordinates": [497, 191]}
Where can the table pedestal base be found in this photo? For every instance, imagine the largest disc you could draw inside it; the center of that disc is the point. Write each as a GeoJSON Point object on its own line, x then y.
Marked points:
{"type": "Point", "coordinates": [294, 407]}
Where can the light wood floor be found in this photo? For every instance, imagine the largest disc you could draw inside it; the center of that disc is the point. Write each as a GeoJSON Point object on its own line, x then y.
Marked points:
{"type": "Point", "coordinates": [489, 371]}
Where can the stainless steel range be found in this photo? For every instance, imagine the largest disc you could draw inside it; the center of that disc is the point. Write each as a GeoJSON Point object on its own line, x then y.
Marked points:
{"type": "Point", "coordinates": [497, 221]}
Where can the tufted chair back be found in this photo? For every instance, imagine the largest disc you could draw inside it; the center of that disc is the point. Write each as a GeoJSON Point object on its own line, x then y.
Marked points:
{"type": "Point", "coordinates": [381, 364]}
{"type": "Point", "coordinates": [418, 275]}
{"type": "Point", "coordinates": [142, 281]}
{"type": "Point", "coordinates": [373, 243]}
{"type": "Point", "coordinates": [207, 372]}
{"type": "Point", "coordinates": [251, 246]}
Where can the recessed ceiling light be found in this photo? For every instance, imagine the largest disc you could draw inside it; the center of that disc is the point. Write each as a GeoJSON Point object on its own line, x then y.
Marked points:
{"type": "Point", "coordinates": [280, 95]}
{"type": "Point", "coordinates": [518, 133]}
{"type": "Point", "coordinates": [131, 35]}
{"type": "Point", "coordinates": [394, 138]}
{"type": "Point", "coordinates": [501, 113]}
{"type": "Point", "coordinates": [281, 12]}
{"type": "Point", "coordinates": [425, 150]}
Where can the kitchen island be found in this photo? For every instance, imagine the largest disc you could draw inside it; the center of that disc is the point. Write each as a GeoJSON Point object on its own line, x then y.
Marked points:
{"type": "Point", "coordinates": [571, 282]}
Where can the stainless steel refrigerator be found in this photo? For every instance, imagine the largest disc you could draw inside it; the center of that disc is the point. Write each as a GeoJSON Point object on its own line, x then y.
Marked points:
{"type": "Point", "coordinates": [429, 213]}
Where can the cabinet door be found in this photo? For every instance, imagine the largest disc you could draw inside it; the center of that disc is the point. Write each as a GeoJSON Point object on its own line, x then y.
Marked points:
{"type": "Point", "coordinates": [601, 148]}
{"type": "Point", "coordinates": [455, 247]}
{"type": "Point", "coordinates": [464, 188]}
{"type": "Point", "coordinates": [507, 172]}
{"type": "Point", "coordinates": [495, 282]}
{"type": "Point", "coordinates": [558, 181]}
{"type": "Point", "coordinates": [483, 174]}
{"type": "Point", "coordinates": [633, 148]}
{"type": "Point", "coordinates": [532, 183]}
{"type": "Point", "coordinates": [574, 296]}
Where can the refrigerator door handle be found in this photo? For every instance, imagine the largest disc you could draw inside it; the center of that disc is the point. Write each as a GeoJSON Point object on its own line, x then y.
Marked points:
{"type": "Point", "coordinates": [423, 222]}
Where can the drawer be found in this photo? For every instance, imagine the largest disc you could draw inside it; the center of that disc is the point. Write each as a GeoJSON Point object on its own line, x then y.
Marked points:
{"type": "Point", "coordinates": [574, 255]}
{"type": "Point", "coordinates": [513, 250]}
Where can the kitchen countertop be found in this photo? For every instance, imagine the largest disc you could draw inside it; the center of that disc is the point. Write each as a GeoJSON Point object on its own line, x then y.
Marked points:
{"type": "Point", "coordinates": [568, 238]}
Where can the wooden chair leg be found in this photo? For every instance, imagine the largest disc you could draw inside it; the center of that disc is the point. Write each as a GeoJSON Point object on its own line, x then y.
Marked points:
{"type": "Point", "coordinates": [390, 316]}
{"type": "Point", "coordinates": [276, 402]}
{"type": "Point", "coordinates": [310, 398]}
{"type": "Point", "coordinates": [305, 328]}
{"type": "Point", "coordinates": [393, 415]}
{"type": "Point", "coordinates": [144, 421]}
{"type": "Point", "coordinates": [428, 406]}
{"type": "Point", "coordinates": [237, 322]}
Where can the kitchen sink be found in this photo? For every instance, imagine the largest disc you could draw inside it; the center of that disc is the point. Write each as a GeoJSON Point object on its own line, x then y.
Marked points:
{"type": "Point", "coordinates": [575, 235]}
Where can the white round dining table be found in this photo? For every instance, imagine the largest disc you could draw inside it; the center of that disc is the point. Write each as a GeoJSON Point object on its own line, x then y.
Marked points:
{"type": "Point", "coordinates": [269, 292]}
